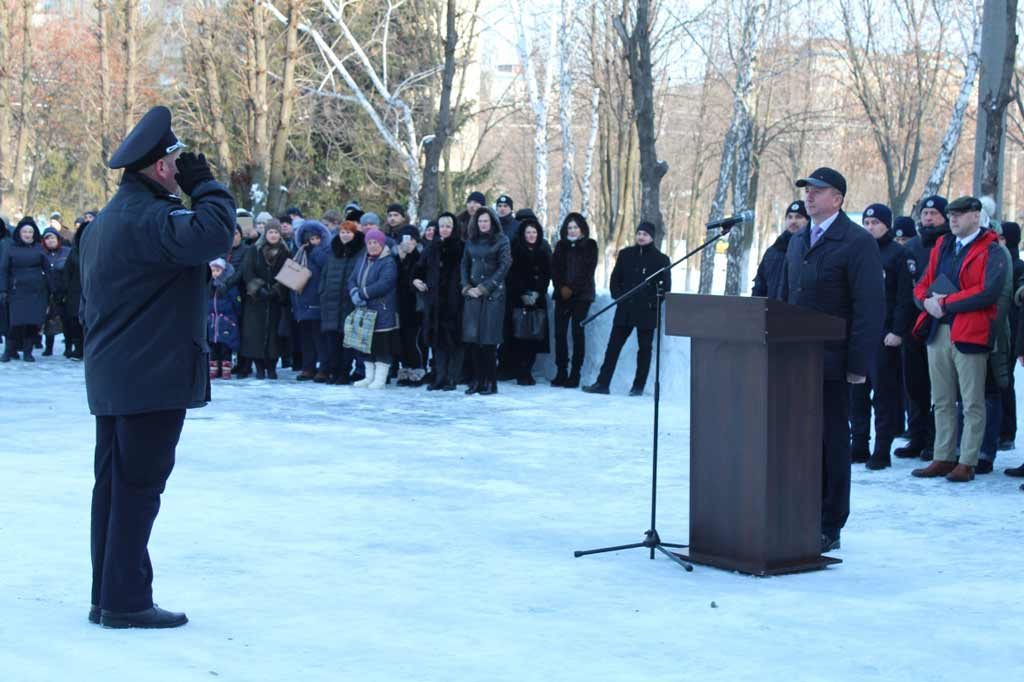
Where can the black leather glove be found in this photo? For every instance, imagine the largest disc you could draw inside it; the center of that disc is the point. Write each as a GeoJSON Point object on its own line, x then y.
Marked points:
{"type": "Point", "coordinates": [192, 170]}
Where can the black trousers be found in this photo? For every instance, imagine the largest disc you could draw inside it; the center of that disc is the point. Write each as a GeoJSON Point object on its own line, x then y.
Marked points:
{"type": "Point", "coordinates": [413, 354]}
{"type": "Point", "coordinates": [520, 361]}
{"type": "Point", "coordinates": [1008, 428]}
{"type": "Point", "coordinates": [921, 422]}
{"type": "Point", "coordinates": [314, 348]}
{"type": "Point", "coordinates": [485, 363]}
{"type": "Point", "coordinates": [619, 335]}
{"type": "Point", "coordinates": [449, 356]}
{"type": "Point", "coordinates": [133, 460]}
{"type": "Point", "coordinates": [21, 338]}
{"type": "Point", "coordinates": [339, 358]}
{"type": "Point", "coordinates": [881, 392]}
{"type": "Point", "coordinates": [566, 313]}
{"type": "Point", "coordinates": [220, 352]}
{"type": "Point", "coordinates": [835, 470]}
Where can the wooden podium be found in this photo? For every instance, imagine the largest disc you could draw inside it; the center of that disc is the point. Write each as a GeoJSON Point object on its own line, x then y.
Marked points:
{"type": "Point", "coordinates": [755, 430]}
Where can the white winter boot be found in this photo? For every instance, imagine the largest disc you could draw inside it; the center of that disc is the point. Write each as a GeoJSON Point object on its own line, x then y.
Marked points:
{"type": "Point", "coordinates": [380, 375]}
{"type": "Point", "coordinates": [369, 368]}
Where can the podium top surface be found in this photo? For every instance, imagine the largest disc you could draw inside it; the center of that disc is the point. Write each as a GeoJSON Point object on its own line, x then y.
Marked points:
{"type": "Point", "coordinates": [747, 318]}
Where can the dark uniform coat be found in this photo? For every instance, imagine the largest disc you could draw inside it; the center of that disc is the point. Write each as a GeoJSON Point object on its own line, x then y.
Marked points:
{"type": "Point", "coordinates": [485, 264]}
{"type": "Point", "coordinates": [900, 311]}
{"type": "Point", "coordinates": [769, 270]}
{"type": "Point", "coordinates": [23, 271]}
{"type": "Point", "coordinates": [633, 265]}
{"type": "Point", "coordinates": [840, 276]}
{"type": "Point", "coordinates": [72, 275]}
{"type": "Point", "coordinates": [144, 296]}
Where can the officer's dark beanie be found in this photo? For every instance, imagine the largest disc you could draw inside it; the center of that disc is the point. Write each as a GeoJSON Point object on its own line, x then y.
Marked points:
{"type": "Point", "coordinates": [478, 197]}
{"type": "Point", "coordinates": [879, 212]}
{"type": "Point", "coordinates": [649, 228]}
{"type": "Point", "coordinates": [1011, 233]}
{"type": "Point", "coordinates": [937, 202]}
{"type": "Point", "coordinates": [905, 227]}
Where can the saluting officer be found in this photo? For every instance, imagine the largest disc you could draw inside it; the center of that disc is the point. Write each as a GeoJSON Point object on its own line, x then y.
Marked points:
{"type": "Point", "coordinates": [833, 266]}
{"type": "Point", "coordinates": [144, 288]}
{"type": "Point", "coordinates": [883, 383]}
{"type": "Point", "coordinates": [769, 270]}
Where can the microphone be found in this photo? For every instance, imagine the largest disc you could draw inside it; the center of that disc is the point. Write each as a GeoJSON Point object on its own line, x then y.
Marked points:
{"type": "Point", "coordinates": [742, 217]}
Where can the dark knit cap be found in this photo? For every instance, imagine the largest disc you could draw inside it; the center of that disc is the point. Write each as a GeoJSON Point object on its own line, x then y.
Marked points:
{"type": "Point", "coordinates": [1011, 233]}
{"type": "Point", "coordinates": [396, 208]}
{"type": "Point", "coordinates": [649, 228]}
{"type": "Point", "coordinates": [905, 227]}
{"type": "Point", "coordinates": [797, 206]}
{"type": "Point", "coordinates": [937, 202]}
{"type": "Point", "coordinates": [478, 197]}
{"type": "Point", "coordinates": [879, 212]}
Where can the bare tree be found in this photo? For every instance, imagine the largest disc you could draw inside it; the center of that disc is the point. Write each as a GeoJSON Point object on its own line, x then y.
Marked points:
{"type": "Point", "coordinates": [588, 158]}
{"type": "Point", "coordinates": [24, 100]}
{"type": "Point", "coordinates": [566, 43]}
{"type": "Point", "coordinates": [636, 41]}
{"type": "Point", "coordinates": [103, 43]}
{"type": "Point", "coordinates": [129, 44]}
{"type": "Point", "coordinates": [430, 194]}
{"type": "Point", "coordinates": [5, 100]}
{"type": "Point", "coordinates": [895, 59]}
{"type": "Point", "coordinates": [278, 191]}
{"type": "Point", "coordinates": [995, 96]}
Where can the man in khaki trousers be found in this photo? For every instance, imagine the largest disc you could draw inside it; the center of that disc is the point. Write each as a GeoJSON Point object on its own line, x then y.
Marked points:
{"type": "Point", "coordinates": [958, 293]}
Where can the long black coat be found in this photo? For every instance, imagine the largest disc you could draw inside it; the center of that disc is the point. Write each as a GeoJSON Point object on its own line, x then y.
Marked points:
{"type": "Point", "coordinates": [335, 302]}
{"type": "Point", "coordinates": [23, 272]}
{"type": "Point", "coordinates": [574, 262]}
{"type": "Point", "coordinates": [633, 265]}
{"type": "Point", "coordinates": [72, 274]}
{"type": "Point", "coordinates": [900, 311]}
{"type": "Point", "coordinates": [485, 264]}
{"type": "Point", "coordinates": [5, 242]}
{"type": "Point", "coordinates": [840, 276]}
{"type": "Point", "coordinates": [263, 301]}
{"type": "Point", "coordinates": [530, 271]}
{"type": "Point", "coordinates": [408, 315]}
{"type": "Point", "coordinates": [769, 270]}
{"type": "Point", "coordinates": [144, 296]}
{"type": "Point", "coordinates": [440, 268]}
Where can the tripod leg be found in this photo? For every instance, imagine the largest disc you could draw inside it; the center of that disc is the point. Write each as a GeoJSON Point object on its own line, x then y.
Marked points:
{"type": "Point", "coordinates": [608, 549]}
{"type": "Point", "coordinates": [673, 557]}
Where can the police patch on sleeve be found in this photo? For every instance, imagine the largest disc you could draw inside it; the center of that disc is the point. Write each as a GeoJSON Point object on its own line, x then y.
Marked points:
{"type": "Point", "coordinates": [912, 266]}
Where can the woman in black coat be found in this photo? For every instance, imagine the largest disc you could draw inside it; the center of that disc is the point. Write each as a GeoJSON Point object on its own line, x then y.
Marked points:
{"type": "Point", "coordinates": [528, 281]}
{"type": "Point", "coordinates": [263, 301]}
{"type": "Point", "coordinates": [572, 273]}
{"type": "Point", "coordinates": [5, 241]}
{"type": "Point", "coordinates": [72, 275]}
{"type": "Point", "coordinates": [485, 265]}
{"type": "Point", "coordinates": [335, 303]}
{"type": "Point", "coordinates": [438, 277]}
{"type": "Point", "coordinates": [23, 289]}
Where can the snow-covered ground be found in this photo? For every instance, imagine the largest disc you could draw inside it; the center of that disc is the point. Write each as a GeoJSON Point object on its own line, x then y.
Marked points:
{"type": "Point", "coordinates": [331, 533]}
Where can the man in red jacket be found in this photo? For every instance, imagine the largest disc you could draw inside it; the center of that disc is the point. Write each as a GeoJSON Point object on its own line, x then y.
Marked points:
{"type": "Point", "coordinates": [958, 294]}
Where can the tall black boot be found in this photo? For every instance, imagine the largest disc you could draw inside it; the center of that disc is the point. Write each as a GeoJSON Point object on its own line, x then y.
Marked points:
{"type": "Point", "coordinates": [880, 458]}
{"type": "Point", "coordinates": [859, 452]}
{"type": "Point", "coordinates": [48, 351]}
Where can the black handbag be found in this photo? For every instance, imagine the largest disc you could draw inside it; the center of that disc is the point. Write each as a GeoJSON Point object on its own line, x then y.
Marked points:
{"type": "Point", "coordinates": [528, 324]}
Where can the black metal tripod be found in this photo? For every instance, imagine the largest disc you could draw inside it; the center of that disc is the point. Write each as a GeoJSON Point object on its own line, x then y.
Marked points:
{"type": "Point", "coordinates": [651, 539]}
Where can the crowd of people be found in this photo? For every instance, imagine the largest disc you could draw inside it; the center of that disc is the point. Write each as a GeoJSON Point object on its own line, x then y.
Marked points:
{"type": "Point", "coordinates": [942, 369]}
{"type": "Point", "coordinates": [463, 300]}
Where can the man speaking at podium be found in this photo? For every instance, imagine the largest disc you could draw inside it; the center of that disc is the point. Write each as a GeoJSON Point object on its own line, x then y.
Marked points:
{"type": "Point", "coordinates": [144, 302]}
{"type": "Point", "coordinates": [833, 266]}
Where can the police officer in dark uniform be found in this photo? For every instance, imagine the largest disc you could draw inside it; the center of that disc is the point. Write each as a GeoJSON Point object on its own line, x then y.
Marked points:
{"type": "Point", "coordinates": [883, 390]}
{"type": "Point", "coordinates": [769, 270]}
{"type": "Point", "coordinates": [144, 303]}
{"type": "Point", "coordinates": [834, 267]}
{"type": "Point", "coordinates": [921, 421]}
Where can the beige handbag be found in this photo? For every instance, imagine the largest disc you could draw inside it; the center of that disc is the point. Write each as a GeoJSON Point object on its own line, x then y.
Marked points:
{"type": "Point", "coordinates": [294, 276]}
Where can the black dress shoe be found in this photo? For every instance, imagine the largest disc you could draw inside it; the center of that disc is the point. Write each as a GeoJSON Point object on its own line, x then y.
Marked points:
{"type": "Point", "coordinates": [526, 380]}
{"type": "Point", "coordinates": [448, 387]}
{"type": "Point", "coordinates": [829, 543]}
{"type": "Point", "coordinates": [490, 388]}
{"type": "Point", "coordinates": [984, 466]}
{"type": "Point", "coordinates": [1006, 445]}
{"type": "Point", "coordinates": [152, 618]}
{"type": "Point", "coordinates": [1015, 472]}
{"type": "Point", "coordinates": [473, 388]}
{"type": "Point", "coordinates": [271, 372]}
{"type": "Point", "coordinates": [909, 451]}
{"type": "Point", "coordinates": [560, 379]}
{"type": "Point", "coordinates": [600, 389]}
{"type": "Point", "coordinates": [94, 615]}
{"type": "Point", "coordinates": [859, 452]}
{"type": "Point", "coordinates": [5, 358]}
{"type": "Point", "coordinates": [27, 357]}
{"type": "Point", "coordinates": [927, 455]}
{"type": "Point", "coordinates": [879, 461]}
{"type": "Point", "coordinates": [634, 392]}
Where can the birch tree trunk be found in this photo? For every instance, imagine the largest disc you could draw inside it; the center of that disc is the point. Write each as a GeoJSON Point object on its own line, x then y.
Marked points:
{"type": "Point", "coordinates": [130, 45]}
{"type": "Point", "coordinates": [637, 44]}
{"type": "Point", "coordinates": [565, 61]}
{"type": "Point", "coordinates": [588, 162]}
{"type": "Point", "coordinates": [956, 121]}
{"type": "Point", "coordinates": [739, 248]}
{"type": "Point", "coordinates": [430, 195]}
{"type": "Point", "coordinates": [103, 38]}
{"type": "Point", "coordinates": [277, 190]}
{"type": "Point", "coordinates": [259, 104]}
{"type": "Point", "coordinates": [212, 77]}
{"type": "Point", "coordinates": [25, 97]}
{"type": "Point", "coordinates": [539, 94]}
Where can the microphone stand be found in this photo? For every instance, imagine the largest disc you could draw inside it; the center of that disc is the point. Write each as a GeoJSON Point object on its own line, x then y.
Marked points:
{"type": "Point", "coordinates": [652, 540]}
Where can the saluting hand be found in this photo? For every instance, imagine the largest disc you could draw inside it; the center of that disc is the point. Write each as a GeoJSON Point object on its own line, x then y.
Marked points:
{"type": "Point", "coordinates": [192, 171]}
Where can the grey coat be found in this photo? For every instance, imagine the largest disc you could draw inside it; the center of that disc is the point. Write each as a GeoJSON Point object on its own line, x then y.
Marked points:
{"type": "Point", "coordinates": [485, 264]}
